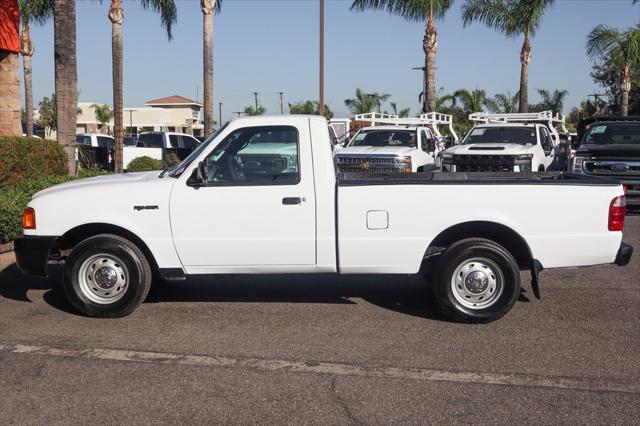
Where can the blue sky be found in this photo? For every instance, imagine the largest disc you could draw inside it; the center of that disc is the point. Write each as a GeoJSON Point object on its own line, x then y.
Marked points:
{"type": "Point", "coordinates": [270, 46]}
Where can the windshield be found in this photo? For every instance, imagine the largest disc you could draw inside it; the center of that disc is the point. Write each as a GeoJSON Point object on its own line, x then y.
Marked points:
{"type": "Point", "coordinates": [180, 168]}
{"type": "Point", "coordinates": [519, 135]}
{"type": "Point", "coordinates": [610, 133]}
{"type": "Point", "coordinates": [381, 138]}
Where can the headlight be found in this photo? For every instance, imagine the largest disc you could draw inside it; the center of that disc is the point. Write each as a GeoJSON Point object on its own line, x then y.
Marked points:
{"type": "Point", "coordinates": [404, 162]}
{"type": "Point", "coordinates": [525, 156]}
{"type": "Point", "coordinates": [577, 164]}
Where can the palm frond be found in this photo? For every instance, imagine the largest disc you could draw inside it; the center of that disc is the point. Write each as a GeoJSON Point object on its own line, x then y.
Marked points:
{"type": "Point", "coordinates": [496, 14]}
{"type": "Point", "coordinates": [167, 10]}
{"type": "Point", "coordinates": [38, 11]}
{"type": "Point", "coordinates": [411, 10]}
{"type": "Point", "coordinates": [602, 41]}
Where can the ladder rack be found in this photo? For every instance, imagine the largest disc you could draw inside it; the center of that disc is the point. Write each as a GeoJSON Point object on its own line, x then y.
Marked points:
{"type": "Point", "coordinates": [432, 119]}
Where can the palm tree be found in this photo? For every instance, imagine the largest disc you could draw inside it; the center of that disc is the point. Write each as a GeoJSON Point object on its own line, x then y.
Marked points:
{"type": "Point", "coordinates": [66, 77]}
{"type": "Point", "coordinates": [471, 101]}
{"type": "Point", "coordinates": [363, 103]}
{"type": "Point", "coordinates": [103, 114]}
{"type": "Point", "coordinates": [378, 98]}
{"type": "Point", "coordinates": [553, 101]}
{"type": "Point", "coordinates": [420, 11]}
{"type": "Point", "coordinates": [168, 16]}
{"type": "Point", "coordinates": [623, 47]}
{"type": "Point", "coordinates": [309, 108]}
{"type": "Point", "coordinates": [513, 18]}
{"type": "Point", "coordinates": [208, 7]}
{"type": "Point", "coordinates": [39, 12]}
{"type": "Point", "coordinates": [503, 103]}
{"type": "Point", "coordinates": [400, 113]}
{"type": "Point", "coordinates": [443, 99]}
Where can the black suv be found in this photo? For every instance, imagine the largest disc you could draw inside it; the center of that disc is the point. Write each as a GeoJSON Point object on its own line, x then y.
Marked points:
{"type": "Point", "coordinates": [610, 146]}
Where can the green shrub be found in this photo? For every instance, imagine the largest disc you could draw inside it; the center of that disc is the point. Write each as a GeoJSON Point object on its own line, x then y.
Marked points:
{"type": "Point", "coordinates": [171, 159]}
{"type": "Point", "coordinates": [94, 171]}
{"type": "Point", "coordinates": [13, 200]}
{"type": "Point", "coordinates": [24, 158]}
{"type": "Point", "coordinates": [144, 164]}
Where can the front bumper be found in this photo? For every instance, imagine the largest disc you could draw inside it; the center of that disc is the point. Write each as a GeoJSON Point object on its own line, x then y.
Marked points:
{"type": "Point", "coordinates": [624, 254]}
{"type": "Point", "coordinates": [32, 254]}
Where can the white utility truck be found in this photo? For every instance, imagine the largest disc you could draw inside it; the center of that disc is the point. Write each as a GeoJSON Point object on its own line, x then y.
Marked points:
{"type": "Point", "coordinates": [393, 144]}
{"type": "Point", "coordinates": [527, 142]}
{"type": "Point", "coordinates": [262, 196]}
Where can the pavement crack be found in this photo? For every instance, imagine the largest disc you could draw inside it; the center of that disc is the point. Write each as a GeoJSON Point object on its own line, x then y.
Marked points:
{"type": "Point", "coordinates": [337, 398]}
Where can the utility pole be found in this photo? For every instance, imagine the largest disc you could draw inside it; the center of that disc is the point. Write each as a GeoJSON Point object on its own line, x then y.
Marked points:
{"type": "Point", "coordinates": [255, 95]}
{"type": "Point", "coordinates": [321, 98]}
{"type": "Point", "coordinates": [281, 103]}
{"type": "Point", "coordinates": [596, 98]}
{"type": "Point", "coordinates": [219, 114]}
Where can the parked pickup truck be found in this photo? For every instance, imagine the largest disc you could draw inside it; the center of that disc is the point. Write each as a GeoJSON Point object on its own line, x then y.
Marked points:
{"type": "Point", "coordinates": [526, 142]}
{"type": "Point", "coordinates": [611, 147]}
{"type": "Point", "coordinates": [394, 144]}
{"type": "Point", "coordinates": [233, 207]}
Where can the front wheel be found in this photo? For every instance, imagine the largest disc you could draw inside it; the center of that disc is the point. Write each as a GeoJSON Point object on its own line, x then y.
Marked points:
{"type": "Point", "coordinates": [476, 281]}
{"type": "Point", "coordinates": [106, 276]}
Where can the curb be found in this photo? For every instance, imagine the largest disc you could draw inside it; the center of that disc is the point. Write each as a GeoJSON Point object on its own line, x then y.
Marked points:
{"type": "Point", "coordinates": [6, 259]}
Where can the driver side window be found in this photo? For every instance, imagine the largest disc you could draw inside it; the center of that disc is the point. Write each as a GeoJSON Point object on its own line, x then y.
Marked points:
{"type": "Point", "coordinates": [545, 141]}
{"type": "Point", "coordinates": [255, 156]}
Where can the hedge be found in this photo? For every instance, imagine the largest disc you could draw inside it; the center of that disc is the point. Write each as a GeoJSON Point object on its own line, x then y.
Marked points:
{"type": "Point", "coordinates": [25, 158]}
{"type": "Point", "coordinates": [13, 200]}
{"type": "Point", "coordinates": [144, 164]}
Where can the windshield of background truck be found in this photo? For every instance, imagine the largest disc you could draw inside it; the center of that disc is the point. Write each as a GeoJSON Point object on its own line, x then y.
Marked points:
{"type": "Point", "coordinates": [519, 135]}
{"type": "Point", "coordinates": [610, 133]}
{"type": "Point", "coordinates": [381, 138]}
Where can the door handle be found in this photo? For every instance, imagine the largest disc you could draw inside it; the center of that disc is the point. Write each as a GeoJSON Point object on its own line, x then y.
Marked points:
{"type": "Point", "coordinates": [290, 201]}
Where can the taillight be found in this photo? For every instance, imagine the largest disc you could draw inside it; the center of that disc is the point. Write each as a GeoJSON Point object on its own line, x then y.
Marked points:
{"type": "Point", "coordinates": [29, 218]}
{"type": "Point", "coordinates": [617, 211]}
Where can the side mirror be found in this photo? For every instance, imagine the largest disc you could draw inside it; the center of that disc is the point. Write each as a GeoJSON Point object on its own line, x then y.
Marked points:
{"type": "Point", "coordinates": [198, 177]}
{"type": "Point", "coordinates": [431, 145]}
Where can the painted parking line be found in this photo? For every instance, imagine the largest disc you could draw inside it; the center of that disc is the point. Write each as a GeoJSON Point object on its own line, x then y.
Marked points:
{"type": "Point", "coordinates": [328, 368]}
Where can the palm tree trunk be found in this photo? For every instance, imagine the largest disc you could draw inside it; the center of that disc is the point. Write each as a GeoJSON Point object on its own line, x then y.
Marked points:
{"type": "Point", "coordinates": [116, 15]}
{"type": "Point", "coordinates": [207, 7]}
{"type": "Point", "coordinates": [26, 48]}
{"type": "Point", "coordinates": [66, 77]}
{"type": "Point", "coordinates": [9, 94]}
{"type": "Point", "coordinates": [525, 58]}
{"type": "Point", "coordinates": [430, 46]}
{"type": "Point", "coordinates": [625, 88]}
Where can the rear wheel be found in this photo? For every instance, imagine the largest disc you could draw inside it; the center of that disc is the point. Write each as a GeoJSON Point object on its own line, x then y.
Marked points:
{"type": "Point", "coordinates": [106, 276]}
{"type": "Point", "coordinates": [477, 281]}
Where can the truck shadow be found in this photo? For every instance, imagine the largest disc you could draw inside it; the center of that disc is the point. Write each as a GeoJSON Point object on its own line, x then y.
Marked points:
{"type": "Point", "coordinates": [399, 293]}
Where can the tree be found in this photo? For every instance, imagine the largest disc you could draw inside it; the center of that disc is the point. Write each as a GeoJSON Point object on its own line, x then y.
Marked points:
{"type": "Point", "coordinates": [607, 75]}
{"type": "Point", "coordinates": [552, 101]}
{"type": "Point", "coordinates": [513, 18]}
{"type": "Point", "coordinates": [37, 11]}
{"type": "Point", "coordinates": [378, 98]}
{"type": "Point", "coordinates": [503, 103]}
{"type": "Point", "coordinates": [472, 101]}
{"type": "Point", "coordinates": [66, 77]}
{"type": "Point", "coordinates": [168, 16]}
{"type": "Point", "coordinates": [623, 48]}
{"type": "Point", "coordinates": [400, 113]}
{"type": "Point", "coordinates": [103, 113]}
{"type": "Point", "coordinates": [48, 116]}
{"type": "Point", "coordinates": [363, 103]}
{"type": "Point", "coordinates": [251, 110]}
{"type": "Point", "coordinates": [419, 11]}
{"type": "Point", "coordinates": [208, 7]}
{"type": "Point", "coordinates": [444, 100]}
{"type": "Point", "coordinates": [309, 108]}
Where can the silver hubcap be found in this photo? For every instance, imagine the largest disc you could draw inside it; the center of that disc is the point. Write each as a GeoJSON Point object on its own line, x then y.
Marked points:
{"type": "Point", "coordinates": [103, 278]}
{"type": "Point", "coordinates": [477, 283]}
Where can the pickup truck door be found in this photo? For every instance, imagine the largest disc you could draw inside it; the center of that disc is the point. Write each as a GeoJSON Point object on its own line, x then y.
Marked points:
{"type": "Point", "coordinates": [428, 145]}
{"type": "Point", "coordinates": [546, 142]}
{"type": "Point", "coordinates": [257, 207]}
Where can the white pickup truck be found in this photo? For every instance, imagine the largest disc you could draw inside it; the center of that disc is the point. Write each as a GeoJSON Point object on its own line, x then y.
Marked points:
{"type": "Point", "coordinates": [393, 144]}
{"type": "Point", "coordinates": [527, 142]}
{"type": "Point", "coordinates": [236, 206]}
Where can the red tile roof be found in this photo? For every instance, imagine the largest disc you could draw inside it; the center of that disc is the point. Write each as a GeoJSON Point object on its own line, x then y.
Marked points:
{"type": "Point", "coordinates": [172, 100]}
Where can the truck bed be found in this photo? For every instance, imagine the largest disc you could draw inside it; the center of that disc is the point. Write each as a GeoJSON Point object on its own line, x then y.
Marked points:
{"type": "Point", "coordinates": [473, 178]}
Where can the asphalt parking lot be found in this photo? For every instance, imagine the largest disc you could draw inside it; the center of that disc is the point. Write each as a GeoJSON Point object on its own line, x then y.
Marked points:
{"type": "Point", "coordinates": [325, 350]}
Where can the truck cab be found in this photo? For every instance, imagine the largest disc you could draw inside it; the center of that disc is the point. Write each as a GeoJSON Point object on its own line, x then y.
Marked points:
{"type": "Point", "coordinates": [393, 144]}
{"type": "Point", "coordinates": [509, 143]}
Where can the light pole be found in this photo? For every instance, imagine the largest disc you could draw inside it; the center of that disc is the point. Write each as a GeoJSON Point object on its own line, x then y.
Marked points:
{"type": "Point", "coordinates": [321, 98]}
{"type": "Point", "coordinates": [219, 114]}
{"type": "Point", "coordinates": [423, 98]}
{"type": "Point", "coordinates": [281, 103]}
{"type": "Point", "coordinates": [255, 95]}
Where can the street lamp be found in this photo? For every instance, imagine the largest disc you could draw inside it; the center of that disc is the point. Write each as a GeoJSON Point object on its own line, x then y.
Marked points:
{"type": "Point", "coordinates": [423, 98]}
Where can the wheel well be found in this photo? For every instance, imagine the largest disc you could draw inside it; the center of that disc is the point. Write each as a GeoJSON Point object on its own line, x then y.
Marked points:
{"type": "Point", "coordinates": [75, 235]}
{"type": "Point", "coordinates": [501, 234]}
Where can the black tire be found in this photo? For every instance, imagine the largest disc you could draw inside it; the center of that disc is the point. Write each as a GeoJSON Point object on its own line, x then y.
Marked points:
{"type": "Point", "coordinates": [464, 252]}
{"type": "Point", "coordinates": [137, 282]}
{"type": "Point", "coordinates": [541, 168]}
